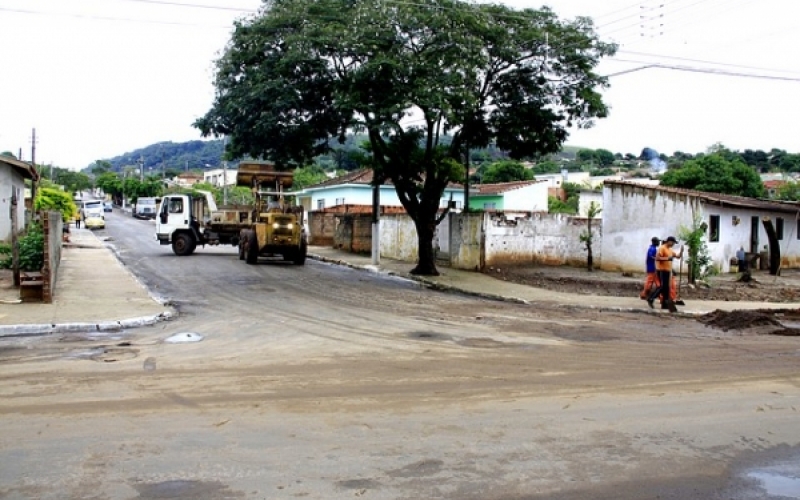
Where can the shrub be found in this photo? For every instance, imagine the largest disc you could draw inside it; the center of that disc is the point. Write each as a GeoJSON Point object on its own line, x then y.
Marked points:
{"type": "Point", "coordinates": [5, 256]}
{"type": "Point", "coordinates": [31, 249]}
{"type": "Point", "coordinates": [48, 199]}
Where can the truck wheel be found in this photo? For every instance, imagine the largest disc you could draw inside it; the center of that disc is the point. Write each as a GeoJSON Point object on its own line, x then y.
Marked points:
{"type": "Point", "coordinates": [183, 244]}
{"type": "Point", "coordinates": [300, 255]}
{"type": "Point", "coordinates": [251, 255]}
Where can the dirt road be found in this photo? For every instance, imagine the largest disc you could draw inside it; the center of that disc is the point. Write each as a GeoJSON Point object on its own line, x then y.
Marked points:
{"type": "Point", "coordinates": [321, 382]}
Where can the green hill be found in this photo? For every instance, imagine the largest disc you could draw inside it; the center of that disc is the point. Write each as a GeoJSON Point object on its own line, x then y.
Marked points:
{"type": "Point", "coordinates": [194, 155]}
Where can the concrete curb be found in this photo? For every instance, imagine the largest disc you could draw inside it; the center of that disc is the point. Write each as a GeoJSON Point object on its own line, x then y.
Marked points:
{"type": "Point", "coordinates": [433, 285]}
{"type": "Point", "coordinates": [34, 330]}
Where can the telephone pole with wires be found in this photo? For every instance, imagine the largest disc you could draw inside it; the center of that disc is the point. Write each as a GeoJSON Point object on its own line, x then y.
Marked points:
{"type": "Point", "coordinates": [652, 20]}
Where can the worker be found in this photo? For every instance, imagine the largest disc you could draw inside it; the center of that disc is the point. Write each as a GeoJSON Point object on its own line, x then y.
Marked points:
{"type": "Point", "coordinates": [274, 203]}
{"type": "Point", "coordinates": [652, 282]}
{"type": "Point", "coordinates": [664, 258]}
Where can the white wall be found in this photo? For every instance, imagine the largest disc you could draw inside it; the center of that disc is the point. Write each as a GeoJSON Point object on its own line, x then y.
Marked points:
{"type": "Point", "coordinates": [732, 236]}
{"type": "Point", "coordinates": [586, 198]}
{"type": "Point", "coordinates": [219, 176]}
{"type": "Point", "coordinates": [632, 215]}
{"type": "Point", "coordinates": [532, 198]}
{"type": "Point", "coordinates": [555, 180]}
{"type": "Point", "coordinates": [398, 238]}
{"type": "Point", "coordinates": [10, 180]}
{"type": "Point", "coordinates": [552, 239]}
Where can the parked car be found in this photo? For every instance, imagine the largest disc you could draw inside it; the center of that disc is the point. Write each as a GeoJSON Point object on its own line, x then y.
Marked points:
{"type": "Point", "coordinates": [108, 207]}
{"type": "Point", "coordinates": [94, 221]}
{"type": "Point", "coordinates": [91, 207]}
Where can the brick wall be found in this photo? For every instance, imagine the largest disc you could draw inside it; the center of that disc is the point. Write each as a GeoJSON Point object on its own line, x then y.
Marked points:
{"type": "Point", "coordinates": [353, 232]}
{"type": "Point", "coordinates": [321, 227]}
{"type": "Point", "coordinates": [53, 226]}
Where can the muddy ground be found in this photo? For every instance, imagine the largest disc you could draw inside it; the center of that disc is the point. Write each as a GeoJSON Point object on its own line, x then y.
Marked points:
{"type": "Point", "coordinates": [764, 288]}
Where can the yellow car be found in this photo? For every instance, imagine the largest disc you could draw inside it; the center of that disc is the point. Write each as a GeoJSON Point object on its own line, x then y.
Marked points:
{"type": "Point", "coordinates": [94, 221]}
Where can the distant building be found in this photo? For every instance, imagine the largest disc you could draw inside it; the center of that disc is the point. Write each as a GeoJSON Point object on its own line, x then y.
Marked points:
{"type": "Point", "coordinates": [187, 179]}
{"type": "Point", "coordinates": [220, 177]}
{"type": "Point", "coordinates": [12, 186]}
{"type": "Point", "coordinates": [355, 188]}
{"type": "Point", "coordinates": [520, 196]}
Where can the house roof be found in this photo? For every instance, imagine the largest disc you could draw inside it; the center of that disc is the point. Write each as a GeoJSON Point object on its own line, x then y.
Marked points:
{"type": "Point", "coordinates": [25, 169]}
{"type": "Point", "coordinates": [774, 184]}
{"type": "Point", "coordinates": [718, 199]}
{"type": "Point", "coordinates": [363, 176]}
{"type": "Point", "coordinates": [503, 187]}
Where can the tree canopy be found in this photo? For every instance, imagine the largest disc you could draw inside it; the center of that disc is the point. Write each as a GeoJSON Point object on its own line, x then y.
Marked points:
{"type": "Point", "coordinates": [716, 173]}
{"type": "Point", "coordinates": [304, 71]}
{"type": "Point", "coordinates": [506, 171]}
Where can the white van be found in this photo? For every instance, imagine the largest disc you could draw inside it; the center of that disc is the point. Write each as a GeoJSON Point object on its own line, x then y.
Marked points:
{"type": "Point", "coordinates": [92, 208]}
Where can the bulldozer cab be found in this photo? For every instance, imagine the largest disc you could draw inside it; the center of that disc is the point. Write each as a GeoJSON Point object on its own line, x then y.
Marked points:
{"type": "Point", "coordinates": [270, 189]}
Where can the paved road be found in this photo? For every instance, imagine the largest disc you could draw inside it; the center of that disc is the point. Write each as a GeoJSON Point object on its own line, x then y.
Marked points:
{"type": "Point", "coordinates": [323, 382]}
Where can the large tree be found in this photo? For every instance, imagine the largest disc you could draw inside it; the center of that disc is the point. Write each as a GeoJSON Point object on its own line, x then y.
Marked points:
{"type": "Point", "coordinates": [406, 74]}
{"type": "Point", "coordinates": [716, 173]}
{"type": "Point", "coordinates": [506, 171]}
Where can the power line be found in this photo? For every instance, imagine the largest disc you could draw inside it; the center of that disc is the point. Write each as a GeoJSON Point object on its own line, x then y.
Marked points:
{"type": "Point", "coordinates": [107, 18]}
{"type": "Point", "coordinates": [702, 61]}
{"type": "Point", "coordinates": [192, 5]}
{"type": "Point", "coordinates": [711, 71]}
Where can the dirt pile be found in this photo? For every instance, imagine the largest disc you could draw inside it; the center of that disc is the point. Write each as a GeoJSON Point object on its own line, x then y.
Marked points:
{"type": "Point", "coordinates": [772, 322]}
{"type": "Point", "coordinates": [578, 281]}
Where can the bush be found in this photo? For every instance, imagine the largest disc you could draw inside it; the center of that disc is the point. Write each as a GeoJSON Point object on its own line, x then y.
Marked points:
{"type": "Point", "coordinates": [48, 199]}
{"type": "Point", "coordinates": [5, 256]}
{"type": "Point", "coordinates": [31, 249]}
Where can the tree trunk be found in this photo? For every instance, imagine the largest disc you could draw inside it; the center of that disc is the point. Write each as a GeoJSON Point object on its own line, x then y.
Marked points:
{"type": "Point", "coordinates": [589, 258]}
{"type": "Point", "coordinates": [426, 265]}
{"type": "Point", "coordinates": [774, 247]}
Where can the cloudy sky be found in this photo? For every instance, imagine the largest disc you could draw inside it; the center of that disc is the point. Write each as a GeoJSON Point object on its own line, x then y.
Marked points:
{"type": "Point", "coordinates": [98, 78]}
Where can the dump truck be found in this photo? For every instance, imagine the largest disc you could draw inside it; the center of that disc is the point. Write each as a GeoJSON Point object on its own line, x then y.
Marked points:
{"type": "Point", "coordinates": [269, 227]}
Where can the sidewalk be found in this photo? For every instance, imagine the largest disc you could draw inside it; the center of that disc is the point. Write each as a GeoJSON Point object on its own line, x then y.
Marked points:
{"type": "Point", "coordinates": [481, 285]}
{"type": "Point", "coordinates": [94, 292]}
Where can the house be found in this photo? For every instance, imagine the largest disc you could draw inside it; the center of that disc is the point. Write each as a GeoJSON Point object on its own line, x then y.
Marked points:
{"type": "Point", "coordinates": [12, 193]}
{"type": "Point", "coordinates": [771, 187]}
{"type": "Point", "coordinates": [519, 196]}
{"type": "Point", "coordinates": [355, 188]}
{"type": "Point", "coordinates": [188, 179]}
{"type": "Point", "coordinates": [555, 180]}
{"type": "Point", "coordinates": [634, 213]}
{"type": "Point", "coordinates": [220, 177]}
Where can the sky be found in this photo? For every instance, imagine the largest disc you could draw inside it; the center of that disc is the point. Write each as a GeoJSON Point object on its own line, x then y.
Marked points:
{"type": "Point", "coordinates": [99, 78]}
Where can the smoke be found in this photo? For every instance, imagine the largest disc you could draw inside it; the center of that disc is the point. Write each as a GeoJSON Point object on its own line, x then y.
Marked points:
{"type": "Point", "coordinates": [656, 163]}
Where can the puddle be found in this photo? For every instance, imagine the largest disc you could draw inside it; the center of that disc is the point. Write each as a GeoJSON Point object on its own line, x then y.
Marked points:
{"type": "Point", "coordinates": [428, 336]}
{"type": "Point", "coordinates": [180, 338]}
{"type": "Point", "coordinates": [776, 484]}
{"type": "Point", "coordinates": [194, 490]}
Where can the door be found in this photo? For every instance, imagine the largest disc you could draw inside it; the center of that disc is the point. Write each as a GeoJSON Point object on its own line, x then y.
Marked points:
{"type": "Point", "coordinates": [172, 215]}
{"type": "Point", "coordinates": [754, 225]}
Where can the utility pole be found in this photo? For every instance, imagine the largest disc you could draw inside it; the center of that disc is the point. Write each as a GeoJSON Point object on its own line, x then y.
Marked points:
{"type": "Point", "coordinates": [224, 182]}
{"type": "Point", "coordinates": [224, 174]}
{"type": "Point", "coordinates": [141, 168]}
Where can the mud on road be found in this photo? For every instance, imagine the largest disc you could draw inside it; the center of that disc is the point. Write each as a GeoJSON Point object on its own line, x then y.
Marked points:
{"type": "Point", "coordinates": [763, 288]}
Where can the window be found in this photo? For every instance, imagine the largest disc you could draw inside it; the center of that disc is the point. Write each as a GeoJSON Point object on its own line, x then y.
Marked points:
{"type": "Point", "coordinates": [176, 205]}
{"type": "Point", "coordinates": [489, 206]}
{"type": "Point", "coordinates": [321, 204]}
{"type": "Point", "coordinates": [713, 230]}
{"type": "Point", "coordinates": [340, 201]}
{"type": "Point", "coordinates": [779, 227]}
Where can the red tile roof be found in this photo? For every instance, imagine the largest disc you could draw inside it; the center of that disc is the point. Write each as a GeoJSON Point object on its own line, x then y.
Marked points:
{"type": "Point", "coordinates": [718, 198]}
{"type": "Point", "coordinates": [774, 184]}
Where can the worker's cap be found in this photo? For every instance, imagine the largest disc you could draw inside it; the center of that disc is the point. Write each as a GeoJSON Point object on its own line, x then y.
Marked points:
{"type": "Point", "coordinates": [671, 239]}
{"type": "Point", "coordinates": [655, 240]}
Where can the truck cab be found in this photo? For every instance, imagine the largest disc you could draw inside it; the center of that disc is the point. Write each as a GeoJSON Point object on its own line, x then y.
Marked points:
{"type": "Point", "coordinates": [177, 224]}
